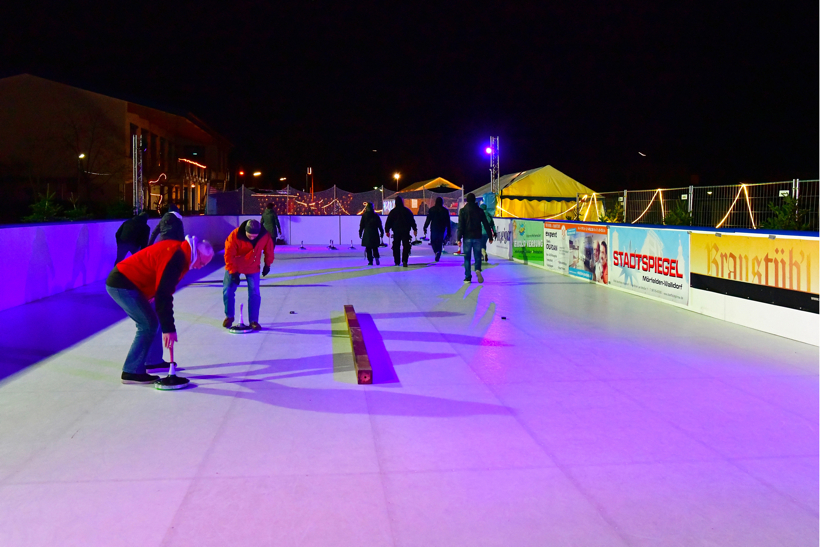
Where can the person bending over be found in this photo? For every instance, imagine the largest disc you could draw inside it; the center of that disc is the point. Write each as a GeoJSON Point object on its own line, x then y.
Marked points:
{"type": "Point", "coordinates": [243, 255]}
{"type": "Point", "coordinates": [401, 221]}
{"type": "Point", "coordinates": [470, 221]}
{"type": "Point", "coordinates": [152, 275]}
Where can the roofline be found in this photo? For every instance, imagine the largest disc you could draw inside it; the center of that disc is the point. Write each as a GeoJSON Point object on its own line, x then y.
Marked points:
{"type": "Point", "coordinates": [171, 111]}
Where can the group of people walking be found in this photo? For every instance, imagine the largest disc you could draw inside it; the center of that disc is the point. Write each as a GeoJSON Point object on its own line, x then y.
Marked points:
{"type": "Point", "coordinates": [475, 230]}
{"type": "Point", "coordinates": [143, 284]}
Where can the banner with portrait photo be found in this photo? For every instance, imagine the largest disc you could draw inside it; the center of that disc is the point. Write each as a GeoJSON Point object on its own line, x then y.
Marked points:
{"type": "Point", "coordinates": [579, 250]}
{"type": "Point", "coordinates": [652, 262]}
{"type": "Point", "coordinates": [528, 241]}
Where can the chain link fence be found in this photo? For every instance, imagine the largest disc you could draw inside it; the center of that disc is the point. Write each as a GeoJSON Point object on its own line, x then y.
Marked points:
{"type": "Point", "coordinates": [734, 206]}
{"type": "Point", "coordinates": [752, 206]}
{"type": "Point", "coordinates": [333, 201]}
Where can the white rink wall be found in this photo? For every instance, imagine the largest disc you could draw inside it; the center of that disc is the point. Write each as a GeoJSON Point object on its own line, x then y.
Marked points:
{"type": "Point", "coordinates": [47, 259]}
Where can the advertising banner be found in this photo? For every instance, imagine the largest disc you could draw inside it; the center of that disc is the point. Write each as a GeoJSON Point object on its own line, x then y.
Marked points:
{"type": "Point", "coordinates": [579, 250]}
{"type": "Point", "coordinates": [651, 262]}
{"type": "Point", "coordinates": [528, 241]}
{"type": "Point", "coordinates": [501, 245]}
{"type": "Point", "coordinates": [779, 271]}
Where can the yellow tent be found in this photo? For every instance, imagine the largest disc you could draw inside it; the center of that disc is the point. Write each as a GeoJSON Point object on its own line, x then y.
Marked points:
{"type": "Point", "coordinates": [431, 184]}
{"type": "Point", "coordinates": [543, 192]}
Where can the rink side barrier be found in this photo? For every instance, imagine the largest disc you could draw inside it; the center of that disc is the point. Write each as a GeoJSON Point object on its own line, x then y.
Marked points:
{"type": "Point", "coordinates": [47, 259]}
{"type": "Point", "coordinates": [763, 280]}
{"type": "Point", "coordinates": [733, 277]}
{"type": "Point", "coordinates": [361, 362]}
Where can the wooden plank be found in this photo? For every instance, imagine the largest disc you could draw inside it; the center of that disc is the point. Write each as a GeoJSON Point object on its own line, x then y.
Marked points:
{"type": "Point", "coordinates": [361, 362]}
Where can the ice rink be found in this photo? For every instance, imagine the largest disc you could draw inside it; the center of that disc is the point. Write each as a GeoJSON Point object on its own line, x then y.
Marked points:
{"type": "Point", "coordinates": [532, 410]}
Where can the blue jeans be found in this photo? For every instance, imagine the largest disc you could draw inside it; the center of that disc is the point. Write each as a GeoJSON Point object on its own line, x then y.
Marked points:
{"type": "Point", "coordinates": [147, 346]}
{"type": "Point", "coordinates": [474, 246]}
{"type": "Point", "coordinates": [254, 298]}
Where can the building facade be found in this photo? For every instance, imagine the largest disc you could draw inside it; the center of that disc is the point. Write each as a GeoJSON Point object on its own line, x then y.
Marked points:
{"type": "Point", "coordinates": [77, 144]}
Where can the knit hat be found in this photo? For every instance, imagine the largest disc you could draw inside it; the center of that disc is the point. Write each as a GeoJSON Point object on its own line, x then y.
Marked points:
{"type": "Point", "coordinates": [252, 227]}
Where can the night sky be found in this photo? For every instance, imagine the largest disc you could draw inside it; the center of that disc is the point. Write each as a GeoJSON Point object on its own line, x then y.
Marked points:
{"type": "Point", "coordinates": [727, 91]}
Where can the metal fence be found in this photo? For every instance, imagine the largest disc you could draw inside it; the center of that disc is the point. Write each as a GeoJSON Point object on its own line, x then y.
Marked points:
{"type": "Point", "coordinates": [333, 201]}
{"type": "Point", "coordinates": [734, 206]}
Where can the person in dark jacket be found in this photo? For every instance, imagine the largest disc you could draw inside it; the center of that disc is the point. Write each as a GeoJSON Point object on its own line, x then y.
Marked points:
{"type": "Point", "coordinates": [401, 221]}
{"type": "Point", "coordinates": [132, 236]}
{"type": "Point", "coordinates": [270, 221]}
{"type": "Point", "coordinates": [169, 227]}
{"type": "Point", "coordinates": [485, 235]}
{"type": "Point", "coordinates": [438, 219]}
{"type": "Point", "coordinates": [471, 219]}
{"type": "Point", "coordinates": [149, 276]}
{"type": "Point", "coordinates": [371, 232]}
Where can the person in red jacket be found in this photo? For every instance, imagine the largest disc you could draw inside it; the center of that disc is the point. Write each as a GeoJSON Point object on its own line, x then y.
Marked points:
{"type": "Point", "coordinates": [243, 255]}
{"type": "Point", "coordinates": [152, 274]}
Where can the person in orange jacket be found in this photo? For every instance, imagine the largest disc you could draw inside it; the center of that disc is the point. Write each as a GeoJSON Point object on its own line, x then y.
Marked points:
{"type": "Point", "coordinates": [150, 277]}
{"type": "Point", "coordinates": [243, 255]}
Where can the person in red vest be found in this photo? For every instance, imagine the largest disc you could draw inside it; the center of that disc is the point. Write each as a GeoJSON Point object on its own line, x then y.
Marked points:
{"type": "Point", "coordinates": [152, 275]}
{"type": "Point", "coordinates": [243, 255]}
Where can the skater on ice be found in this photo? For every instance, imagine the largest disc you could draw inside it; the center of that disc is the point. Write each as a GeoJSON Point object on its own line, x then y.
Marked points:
{"type": "Point", "coordinates": [169, 227]}
{"type": "Point", "coordinates": [438, 219]}
{"type": "Point", "coordinates": [270, 221]}
{"type": "Point", "coordinates": [243, 256]}
{"type": "Point", "coordinates": [151, 277]}
{"type": "Point", "coordinates": [401, 221]}
{"type": "Point", "coordinates": [132, 236]}
{"type": "Point", "coordinates": [485, 235]}
{"type": "Point", "coordinates": [471, 220]}
{"type": "Point", "coordinates": [371, 233]}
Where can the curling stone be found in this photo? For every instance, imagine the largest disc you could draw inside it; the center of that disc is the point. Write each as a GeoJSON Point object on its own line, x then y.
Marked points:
{"type": "Point", "coordinates": [172, 381]}
{"type": "Point", "coordinates": [241, 328]}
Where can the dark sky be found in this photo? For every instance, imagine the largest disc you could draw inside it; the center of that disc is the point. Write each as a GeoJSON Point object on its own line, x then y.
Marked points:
{"type": "Point", "coordinates": [727, 91]}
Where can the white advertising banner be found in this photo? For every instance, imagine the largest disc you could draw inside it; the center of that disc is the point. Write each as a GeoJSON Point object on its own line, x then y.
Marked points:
{"type": "Point", "coordinates": [652, 262]}
{"type": "Point", "coordinates": [502, 245]}
{"type": "Point", "coordinates": [556, 247]}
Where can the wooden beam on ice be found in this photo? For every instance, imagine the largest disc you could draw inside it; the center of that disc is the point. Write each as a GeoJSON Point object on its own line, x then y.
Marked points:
{"type": "Point", "coordinates": [361, 362]}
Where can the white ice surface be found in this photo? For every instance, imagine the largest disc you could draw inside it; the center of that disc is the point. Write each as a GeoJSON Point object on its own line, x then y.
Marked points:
{"type": "Point", "coordinates": [586, 417]}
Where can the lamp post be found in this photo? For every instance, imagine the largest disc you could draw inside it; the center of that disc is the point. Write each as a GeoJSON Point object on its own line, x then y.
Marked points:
{"type": "Point", "coordinates": [493, 151]}
{"type": "Point", "coordinates": [397, 176]}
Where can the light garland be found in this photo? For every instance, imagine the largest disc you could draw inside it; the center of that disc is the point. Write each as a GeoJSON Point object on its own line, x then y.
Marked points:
{"type": "Point", "coordinates": [506, 211]}
{"type": "Point", "coordinates": [565, 212]}
{"type": "Point", "coordinates": [742, 186]}
{"type": "Point", "coordinates": [192, 163]}
{"type": "Point", "coordinates": [648, 206]}
{"type": "Point", "coordinates": [161, 176]}
{"type": "Point", "coordinates": [663, 213]}
{"type": "Point", "coordinates": [749, 203]}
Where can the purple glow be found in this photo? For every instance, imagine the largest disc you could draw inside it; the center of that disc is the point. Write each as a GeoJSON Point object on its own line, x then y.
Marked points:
{"type": "Point", "coordinates": [488, 150]}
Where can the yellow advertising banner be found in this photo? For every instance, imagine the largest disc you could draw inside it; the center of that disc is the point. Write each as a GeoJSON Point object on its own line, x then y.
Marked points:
{"type": "Point", "coordinates": [781, 262]}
